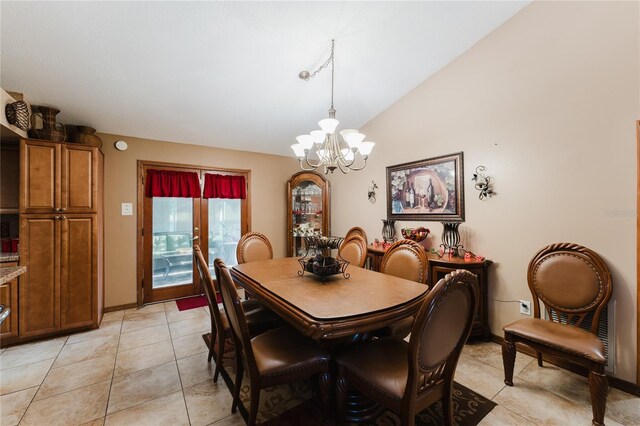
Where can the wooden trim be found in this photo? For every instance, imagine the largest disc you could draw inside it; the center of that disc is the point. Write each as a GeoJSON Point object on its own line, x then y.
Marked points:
{"type": "Point", "coordinates": [638, 255]}
{"type": "Point", "coordinates": [120, 307]}
{"type": "Point", "coordinates": [614, 382]}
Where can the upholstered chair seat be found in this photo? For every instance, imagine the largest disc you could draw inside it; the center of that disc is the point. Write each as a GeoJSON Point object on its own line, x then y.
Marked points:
{"type": "Point", "coordinates": [408, 377]}
{"type": "Point", "coordinates": [572, 282]}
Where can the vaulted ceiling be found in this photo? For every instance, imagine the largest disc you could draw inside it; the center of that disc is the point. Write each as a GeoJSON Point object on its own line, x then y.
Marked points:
{"type": "Point", "coordinates": [226, 73]}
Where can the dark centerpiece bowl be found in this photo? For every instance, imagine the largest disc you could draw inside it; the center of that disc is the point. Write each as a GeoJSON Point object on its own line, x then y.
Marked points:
{"type": "Point", "coordinates": [415, 234]}
{"type": "Point", "coordinates": [323, 266]}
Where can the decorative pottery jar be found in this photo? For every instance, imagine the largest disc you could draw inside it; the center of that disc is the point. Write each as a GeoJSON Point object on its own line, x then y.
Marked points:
{"type": "Point", "coordinates": [86, 135]}
{"type": "Point", "coordinates": [389, 230]}
{"type": "Point", "coordinates": [51, 129]}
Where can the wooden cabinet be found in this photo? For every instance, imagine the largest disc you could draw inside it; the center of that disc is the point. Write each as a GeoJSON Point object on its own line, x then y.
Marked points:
{"type": "Point", "coordinates": [439, 267]}
{"type": "Point", "coordinates": [9, 298]}
{"type": "Point", "coordinates": [58, 178]}
{"type": "Point", "coordinates": [308, 209]}
{"type": "Point", "coordinates": [61, 238]}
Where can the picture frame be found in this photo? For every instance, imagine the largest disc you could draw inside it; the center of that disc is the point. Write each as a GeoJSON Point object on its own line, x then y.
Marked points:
{"type": "Point", "coordinates": [427, 190]}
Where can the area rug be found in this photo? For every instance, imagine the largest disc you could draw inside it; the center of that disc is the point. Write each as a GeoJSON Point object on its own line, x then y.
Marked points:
{"type": "Point", "coordinates": [194, 302]}
{"type": "Point", "coordinates": [293, 405]}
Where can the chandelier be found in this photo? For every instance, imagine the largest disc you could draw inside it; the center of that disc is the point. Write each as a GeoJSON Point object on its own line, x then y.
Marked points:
{"type": "Point", "coordinates": [324, 148]}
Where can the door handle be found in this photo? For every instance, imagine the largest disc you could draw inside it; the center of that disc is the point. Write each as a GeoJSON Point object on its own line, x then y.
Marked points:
{"type": "Point", "coordinates": [195, 238]}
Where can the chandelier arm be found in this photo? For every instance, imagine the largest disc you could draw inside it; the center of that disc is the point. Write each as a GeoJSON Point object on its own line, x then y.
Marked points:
{"type": "Point", "coordinates": [304, 168]}
{"type": "Point", "coordinates": [310, 164]}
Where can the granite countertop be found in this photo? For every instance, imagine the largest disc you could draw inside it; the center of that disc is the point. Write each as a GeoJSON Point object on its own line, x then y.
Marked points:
{"type": "Point", "coordinates": [7, 274]}
{"type": "Point", "coordinates": [9, 257]}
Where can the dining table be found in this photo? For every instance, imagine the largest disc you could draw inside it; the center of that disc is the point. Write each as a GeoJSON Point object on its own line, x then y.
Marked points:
{"type": "Point", "coordinates": [336, 308]}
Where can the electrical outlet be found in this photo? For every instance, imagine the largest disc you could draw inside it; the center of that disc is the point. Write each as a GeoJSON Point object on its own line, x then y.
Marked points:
{"type": "Point", "coordinates": [525, 307]}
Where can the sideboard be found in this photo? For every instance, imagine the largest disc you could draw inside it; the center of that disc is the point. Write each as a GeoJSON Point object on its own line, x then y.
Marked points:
{"type": "Point", "coordinates": [438, 268]}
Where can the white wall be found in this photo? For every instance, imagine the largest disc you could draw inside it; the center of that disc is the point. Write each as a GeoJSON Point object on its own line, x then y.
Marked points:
{"type": "Point", "coordinates": [548, 103]}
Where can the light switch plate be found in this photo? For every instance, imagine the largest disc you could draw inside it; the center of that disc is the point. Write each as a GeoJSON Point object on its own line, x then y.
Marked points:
{"type": "Point", "coordinates": [127, 209]}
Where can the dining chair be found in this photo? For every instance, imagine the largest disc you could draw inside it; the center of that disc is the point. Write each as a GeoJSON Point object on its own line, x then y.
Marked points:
{"type": "Point", "coordinates": [407, 377]}
{"type": "Point", "coordinates": [404, 259]}
{"type": "Point", "coordinates": [275, 357]}
{"type": "Point", "coordinates": [354, 250]}
{"type": "Point", "coordinates": [572, 282]}
{"type": "Point", "coordinates": [252, 247]}
{"type": "Point", "coordinates": [259, 319]}
{"type": "Point", "coordinates": [356, 230]}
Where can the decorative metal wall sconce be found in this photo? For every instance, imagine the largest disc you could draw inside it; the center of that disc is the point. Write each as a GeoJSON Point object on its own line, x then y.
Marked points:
{"type": "Point", "coordinates": [371, 194]}
{"type": "Point", "coordinates": [450, 239]}
{"type": "Point", "coordinates": [483, 183]}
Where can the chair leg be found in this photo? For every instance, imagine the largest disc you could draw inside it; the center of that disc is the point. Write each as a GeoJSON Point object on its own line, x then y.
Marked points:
{"type": "Point", "coordinates": [539, 356]}
{"type": "Point", "coordinates": [342, 390]}
{"type": "Point", "coordinates": [508, 359]}
{"type": "Point", "coordinates": [408, 419]}
{"type": "Point", "coordinates": [255, 403]}
{"type": "Point", "coordinates": [324, 385]}
{"type": "Point", "coordinates": [447, 405]}
{"type": "Point", "coordinates": [598, 387]}
{"type": "Point", "coordinates": [238, 383]}
{"type": "Point", "coordinates": [221, 344]}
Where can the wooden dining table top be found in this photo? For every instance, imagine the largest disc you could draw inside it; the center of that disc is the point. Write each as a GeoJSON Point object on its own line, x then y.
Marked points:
{"type": "Point", "coordinates": [339, 307]}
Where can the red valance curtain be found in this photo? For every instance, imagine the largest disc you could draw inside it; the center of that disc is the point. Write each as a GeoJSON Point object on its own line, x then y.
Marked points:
{"type": "Point", "coordinates": [224, 186]}
{"type": "Point", "coordinates": [169, 183]}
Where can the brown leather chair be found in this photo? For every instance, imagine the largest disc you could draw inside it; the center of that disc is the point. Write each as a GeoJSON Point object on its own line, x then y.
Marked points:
{"type": "Point", "coordinates": [354, 250]}
{"type": "Point", "coordinates": [405, 259]}
{"type": "Point", "coordinates": [259, 318]}
{"type": "Point", "coordinates": [252, 247]}
{"type": "Point", "coordinates": [356, 230]}
{"type": "Point", "coordinates": [409, 377]}
{"type": "Point", "coordinates": [277, 356]}
{"type": "Point", "coordinates": [571, 281]}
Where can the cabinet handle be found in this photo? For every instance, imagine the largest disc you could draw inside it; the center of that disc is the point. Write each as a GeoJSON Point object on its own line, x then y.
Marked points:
{"type": "Point", "coordinates": [63, 209]}
{"type": "Point", "coordinates": [57, 217]}
{"type": "Point", "coordinates": [57, 209]}
{"type": "Point", "coordinates": [63, 217]}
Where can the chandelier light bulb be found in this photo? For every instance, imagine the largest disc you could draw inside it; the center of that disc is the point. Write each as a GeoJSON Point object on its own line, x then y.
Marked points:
{"type": "Point", "coordinates": [328, 125]}
{"type": "Point", "coordinates": [318, 136]}
{"type": "Point", "coordinates": [298, 150]}
{"type": "Point", "coordinates": [305, 141]}
{"type": "Point", "coordinates": [365, 148]}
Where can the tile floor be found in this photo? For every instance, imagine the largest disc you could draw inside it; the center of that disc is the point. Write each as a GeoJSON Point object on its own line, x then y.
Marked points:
{"type": "Point", "coordinates": [149, 366]}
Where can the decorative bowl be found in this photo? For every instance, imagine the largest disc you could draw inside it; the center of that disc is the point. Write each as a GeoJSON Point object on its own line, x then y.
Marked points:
{"type": "Point", "coordinates": [323, 266]}
{"type": "Point", "coordinates": [415, 234]}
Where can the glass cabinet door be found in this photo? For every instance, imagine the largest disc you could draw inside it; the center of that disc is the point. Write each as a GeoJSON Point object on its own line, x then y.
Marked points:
{"type": "Point", "coordinates": [308, 210]}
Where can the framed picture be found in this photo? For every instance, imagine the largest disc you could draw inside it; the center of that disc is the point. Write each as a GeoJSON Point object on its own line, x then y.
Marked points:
{"type": "Point", "coordinates": [427, 190]}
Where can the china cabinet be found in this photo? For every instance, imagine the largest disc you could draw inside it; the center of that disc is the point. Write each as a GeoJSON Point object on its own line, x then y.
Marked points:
{"type": "Point", "coordinates": [308, 210]}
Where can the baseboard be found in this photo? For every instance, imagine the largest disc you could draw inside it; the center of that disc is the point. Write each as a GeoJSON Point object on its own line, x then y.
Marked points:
{"type": "Point", "coordinates": [614, 382]}
{"type": "Point", "coordinates": [120, 307]}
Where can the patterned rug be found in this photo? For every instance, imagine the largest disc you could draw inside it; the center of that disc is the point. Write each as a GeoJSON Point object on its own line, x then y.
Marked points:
{"type": "Point", "coordinates": [293, 405]}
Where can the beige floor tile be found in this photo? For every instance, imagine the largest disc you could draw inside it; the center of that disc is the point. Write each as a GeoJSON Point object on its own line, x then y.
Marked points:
{"type": "Point", "coordinates": [231, 420]}
{"type": "Point", "coordinates": [623, 408]}
{"type": "Point", "coordinates": [195, 369]}
{"type": "Point", "coordinates": [88, 349]}
{"type": "Point", "coordinates": [74, 376]}
{"type": "Point", "coordinates": [199, 324]}
{"type": "Point", "coordinates": [31, 352]}
{"type": "Point", "coordinates": [189, 345]}
{"type": "Point", "coordinates": [96, 422]}
{"type": "Point", "coordinates": [478, 376]}
{"type": "Point", "coordinates": [170, 306]}
{"type": "Point", "coordinates": [71, 408]}
{"type": "Point", "coordinates": [137, 321]}
{"type": "Point", "coordinates": [501, 416]}
{"type": "Point", "coordinates": [106, 329]}
{"type": "Point", "coordinates": [491, 353]}
{"type": "Point", "coordinates": [112, 316]}
{"type": "Point", "coordinates": [143, 357]}
{"type": "Point", "coordinates": [155, 307]}
{"type": "Point", "coordinates": [208, 402]}
{"type": "Point", "coordinates": [24, 376]}
{"type": "Point", "coordinates": [167, 410]}
{"type": "Point", "coordinates": [557, 380]}
{"type": "Point", "coordinates": [143, 386]}
{"type": "Point", "coordinates": [13, 406]}
{"type": "Point", "coordinates": [544, 407]}
{"type": "Point", "coordinates": [173, 316]}
{"type": "Point", "coordinates": [143, 337]}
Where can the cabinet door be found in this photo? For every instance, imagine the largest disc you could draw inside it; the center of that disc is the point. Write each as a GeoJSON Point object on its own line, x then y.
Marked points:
{"type": "Point", "coordinates": [9, 298]}
{"type": "Point", "coordinates": [79, 179]}
{"type": "Point", "coordinates": [78, 271]}
{"type": "Point", "coordinates": [39, 177]}
{"type": "Point", "coordinates": [39, 287]}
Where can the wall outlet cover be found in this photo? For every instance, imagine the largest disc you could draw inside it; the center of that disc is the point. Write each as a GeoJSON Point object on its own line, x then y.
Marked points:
{"type": "Point", "coordinates": [127, 209]}
{"type": "Point", "coordinates": [525, 307]}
